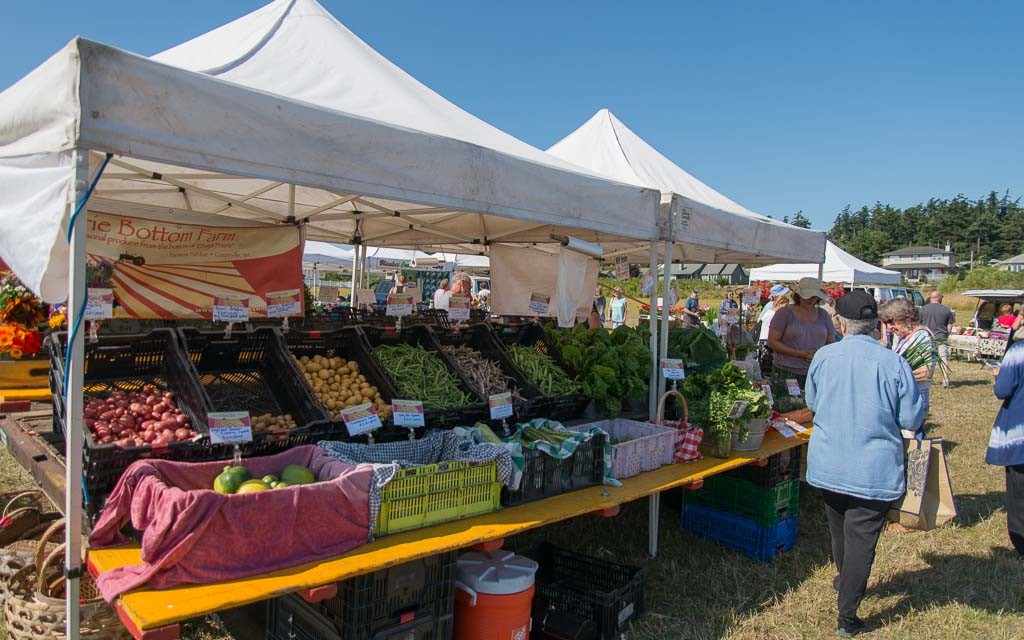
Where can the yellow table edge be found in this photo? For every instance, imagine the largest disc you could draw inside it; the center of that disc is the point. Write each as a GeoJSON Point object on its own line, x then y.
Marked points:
{"type": "Point", "coordinates": [152, 609]}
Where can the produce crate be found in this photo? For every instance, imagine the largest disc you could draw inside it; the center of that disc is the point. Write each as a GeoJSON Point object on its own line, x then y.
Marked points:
{"type": "Point", "coordinates": [755, 541]}
{"type": "Point", "coordinates": [545, 476]}
{"type": "Point", "coordinates": [292, 618]}
{"type": "Point", "coordinates": [430, 494]}
{"type": "Point", "coordinates": [781, 467]}
{"type": "Point", "coordinates": [636, 446]}
{"type": "Point", "coordinates": [610, 594]}
{"type": "Point", "coordinates": [371, 603]}
{"type": "Point", "coordinates": [479, 337]}
{"type": "Point", "coordinates": [558, 408]}
{"type": "Point", "coordinates": [744, 498]}
{"type": "Point", "coordinates": [128, 363]}
{"type": "Point", "coordinates": [350, 344]}
{"type": "Point", "coordinates": [252, 371]}
{"type": "Point", "coordinates": [437, 318]}
{"type": "Point", "coordinates": [424, 337]}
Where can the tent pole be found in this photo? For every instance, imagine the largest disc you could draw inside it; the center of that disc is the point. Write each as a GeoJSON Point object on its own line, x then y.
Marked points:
{"type": "Point", "coordinates": [666, 285]}
{"type": "Point", "coordinates": [652, 323]}
{"type": "Point", "coordinates": [354, 281]}
{"type": "Point", "coordinates": [362, 268]}
{"type": "Point", "coordinates": [821, 271]}
{"type": "Point", "coordinates": [74, 401]}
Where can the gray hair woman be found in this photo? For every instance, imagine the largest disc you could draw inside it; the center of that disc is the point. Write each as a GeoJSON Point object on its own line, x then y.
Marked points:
{"type": "Point", "coordinates": [903, 330]}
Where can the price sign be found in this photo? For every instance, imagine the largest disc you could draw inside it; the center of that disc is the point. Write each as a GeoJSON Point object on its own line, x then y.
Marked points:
{"type": "Point", "coordinates": [796, 426]}
{"type": "Point", "coordinates": [399, 304]}
{"type": "Point", "coordinates": [327, 293]}
{"type": "Point", "coordinates": [407, 413]}
{"type": "Point", "coordinates": [783, 429]}
{"type": "Point", "coordinates": [229, 427]}
{"type": "Point", "coordinates": [793, 387]}
{"type": "Point", "coordinates": [767, 388]}
{"type": "Point", "coordinates": [673, 369]}
{"type": "Point", "coordinates": [360, 418]}
{"type": "Point", "coordinates": [730, 316]}
{"type": "Point", "coordinates": [539, 303]}
{"type": "Point", "coordinates": [458, 306]}
{"type": "Point", "coordinates": [230, 308]}
{"type": "Point", "coordinates": [738, 409]}
{"type": "Point", "coordinates": [621, 267]}
{"type": "Point", "coordinates": [100, 304]}
{"type": "Point", "coordinates": [751, 299]}
{"type": "Point", "coordinates": [282, 304]}
{"type": "Point", "coordinates": [501, 405]}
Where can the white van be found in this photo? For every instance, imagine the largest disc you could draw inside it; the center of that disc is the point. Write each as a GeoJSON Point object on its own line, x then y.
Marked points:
{"type": "Point", "coordinates": [885, 294]}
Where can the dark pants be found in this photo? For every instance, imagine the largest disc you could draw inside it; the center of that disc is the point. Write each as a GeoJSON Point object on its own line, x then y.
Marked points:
{"type": "Point", "coordinates": [1015, 506]}
{"type": "Point", "coordinates": [854, 524]}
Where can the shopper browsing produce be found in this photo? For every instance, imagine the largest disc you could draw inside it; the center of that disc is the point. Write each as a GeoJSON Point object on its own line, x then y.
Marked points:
{"type": "Point", "coordinates": [912, 341]}
{"type": "Point", "coordinates": [441, 295]}
{"type": "Point", "coordinates": [799, 330]}
{"type": "Point", "coordinates": [862, 395]}
{"type": "Point", "coordinates": [691, 309]}
{"type": "Point", "coordinates": [728, 303]}
{"type": "Point", "coordinates": [779, 299]}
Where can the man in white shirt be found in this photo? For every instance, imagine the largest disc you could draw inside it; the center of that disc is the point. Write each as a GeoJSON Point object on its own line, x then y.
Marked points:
{"type": "Point", "coordinates": [441, 295]}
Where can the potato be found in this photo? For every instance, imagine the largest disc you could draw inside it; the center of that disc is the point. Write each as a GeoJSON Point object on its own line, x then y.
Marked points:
{"type": "Point", "coordinates": [324, 374]}
{"type": "Point", "coordinates": [313, 367]}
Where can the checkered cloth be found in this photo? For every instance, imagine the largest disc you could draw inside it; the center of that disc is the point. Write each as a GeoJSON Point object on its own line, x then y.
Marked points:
{"type": "Point", "coordinates": [435, 446]}
{"type": "Point", "coordinates": [688, 437]}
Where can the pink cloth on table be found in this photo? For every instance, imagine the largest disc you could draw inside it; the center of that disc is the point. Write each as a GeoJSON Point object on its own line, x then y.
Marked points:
{"type": "Point", "coordinates": [191, 534]}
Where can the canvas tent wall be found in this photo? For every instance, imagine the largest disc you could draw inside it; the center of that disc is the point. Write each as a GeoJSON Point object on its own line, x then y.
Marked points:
{"type": "Point", "coordinates": [839, 266]}
{"type": "Point", "coordinates": [714, 228]}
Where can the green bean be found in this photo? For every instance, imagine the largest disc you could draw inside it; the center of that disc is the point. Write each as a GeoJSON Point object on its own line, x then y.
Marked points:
{"type": "Point", "coordinates": [421, 375]}
{"type": "Point", "coordinates": [541, 370]}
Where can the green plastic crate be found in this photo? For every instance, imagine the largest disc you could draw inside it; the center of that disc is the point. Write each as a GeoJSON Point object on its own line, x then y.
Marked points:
{"type": "Point", "coordinates": [743, 498]}
{"type": "Point", "coordinates": [435, 493]}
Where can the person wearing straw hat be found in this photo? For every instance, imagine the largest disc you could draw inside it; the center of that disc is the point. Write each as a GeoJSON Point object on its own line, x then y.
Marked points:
{"type": "Point", "coordinates": [799, 330]}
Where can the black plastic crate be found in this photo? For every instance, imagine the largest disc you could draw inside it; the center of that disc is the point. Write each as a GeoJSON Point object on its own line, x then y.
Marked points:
{"type": "Point", "coordinates": [350, 344]}
{"type": "Point", "coordinates": [129, 363]}
{"type": "Point", "coordinates": [437, 318]}
{"type": "Point", "coordinates": [610, 594]}
{"type": "Point", "coordinates": [545, 476]}
{"type": "Point", "coordinates": [423, 336]}
{"type": "Point", "coordinates": [389, 597]}
{"type": "Point", "coordinates": [781, 467]}
{"type": "Point", "coordinates": [292, 618]}
{"type": "Point", "coordinates": [251, 371]}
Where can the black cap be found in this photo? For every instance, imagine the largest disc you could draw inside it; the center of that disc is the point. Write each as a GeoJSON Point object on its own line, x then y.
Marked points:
{"type": "Point", "coordinates": [857, 305]}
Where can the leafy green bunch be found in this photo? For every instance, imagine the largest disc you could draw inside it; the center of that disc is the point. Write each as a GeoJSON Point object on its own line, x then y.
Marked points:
{"type": "Point", "coordinates": [610, 366]}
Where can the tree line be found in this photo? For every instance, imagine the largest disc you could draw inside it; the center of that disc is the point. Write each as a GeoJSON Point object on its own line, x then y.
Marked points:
{"type": "Point", "coordinates": [991, 226]}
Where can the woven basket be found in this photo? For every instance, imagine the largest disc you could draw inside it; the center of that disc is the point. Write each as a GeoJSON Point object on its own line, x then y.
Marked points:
{"type": "Point", "coordinates": [14, 557]}
{"type": "Point", "coordinates": [35, 607]}
{"type": "Point", "coordinates": [689, 435]}
{"type": "Point", "coordinates": [23, 512]}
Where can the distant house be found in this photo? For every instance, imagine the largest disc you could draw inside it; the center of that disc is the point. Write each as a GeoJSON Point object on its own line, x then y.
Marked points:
{"type": "Point", "coordinates": [731, 273]}
{"type": "Point", "coordinates": [688, 271]}
{"type": "Point", "coordinates": [914, 263]}
{"type": "Point", "coordinates": [1014, 264]}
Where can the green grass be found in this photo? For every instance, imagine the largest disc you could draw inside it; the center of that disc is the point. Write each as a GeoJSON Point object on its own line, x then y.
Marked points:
{"type": "Point", "coordinates": [959, 581]}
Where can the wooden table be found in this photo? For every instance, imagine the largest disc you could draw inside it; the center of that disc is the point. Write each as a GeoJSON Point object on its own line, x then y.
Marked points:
{"type": "Point", "coordinates": [155, 615]}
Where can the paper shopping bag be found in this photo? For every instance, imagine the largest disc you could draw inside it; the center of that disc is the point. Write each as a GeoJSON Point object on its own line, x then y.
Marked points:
{"type": "Point", "coordinates": [928, 501]}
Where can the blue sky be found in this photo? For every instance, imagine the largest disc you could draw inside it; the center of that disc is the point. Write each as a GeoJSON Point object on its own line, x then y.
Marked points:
{"type": "Point", "coordinates": [779, 105]}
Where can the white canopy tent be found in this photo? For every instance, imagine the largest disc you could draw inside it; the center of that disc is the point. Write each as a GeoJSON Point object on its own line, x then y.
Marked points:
{"type": "Point", "coordinates": [714, 228]}
{"type": "Point", "coordinates": [839, 266]}
{"type": "Point", "coordinates": [326, 256]}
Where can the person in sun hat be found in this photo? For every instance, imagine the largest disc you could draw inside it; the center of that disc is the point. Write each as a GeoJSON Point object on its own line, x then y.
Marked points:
{"type": "Point", "coordinates": [863, 396]}
{"type": "Point", "coordinates": [797, 331]}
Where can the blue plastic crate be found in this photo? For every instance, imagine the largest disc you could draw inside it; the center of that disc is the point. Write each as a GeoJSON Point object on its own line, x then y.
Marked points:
{"type": "Point", "coordinates": [758, 542]}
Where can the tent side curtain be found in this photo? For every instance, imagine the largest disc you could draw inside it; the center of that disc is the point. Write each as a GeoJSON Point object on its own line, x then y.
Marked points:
{"type": "Point", "coordinates": [137, 108]}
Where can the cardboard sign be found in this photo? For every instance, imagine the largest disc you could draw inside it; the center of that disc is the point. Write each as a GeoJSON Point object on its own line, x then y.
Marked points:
{"type": "Point", "coordinates": [539, 303]}
{"type": "Point", "coordinates": [767, 388]}
{"type": "Point", "coordinates": [99, 305]}
{"type": "Point", "coordinates": [738, 409]}
{"type": "Point", "coordinates": [751, 299]}
{"type": "Point", "coordinates": [229, 427]}
{"type": "Point", "coordinates": [399, 304]}
{"type": "Point", "coordinates": [647, 284]}
{"type": "Point", "coordinates": [501, 405]}
{"type": "Point", "coordinates": [793, 387]}
{"type": "Point", "coordinates": [327, 293]}
{"type": "Point", "coordinates": [407, 413]}
{"type": "Point", "coordinates": [458, 306]}
{"type": "Point", "coordinates": [730, 316]}
{"type": "Point", "coordinates": [621, 267]}
{"type": "Point", "coordinates": [360, 418]}
{"type": "Point", "coordinates": [783, 429]}
{"type": "Point", "coordinates": [230, 308]}
{"type": "Point", "coordinates": [283, 304]}
{"type": "Point", "coordinates": [673, 369]}
{"type": "Point", "coordinates": [366, 296]}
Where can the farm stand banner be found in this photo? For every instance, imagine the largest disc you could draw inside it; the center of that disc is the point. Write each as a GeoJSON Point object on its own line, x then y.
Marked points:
{"type": "Point", "coordinates": [161, 268]}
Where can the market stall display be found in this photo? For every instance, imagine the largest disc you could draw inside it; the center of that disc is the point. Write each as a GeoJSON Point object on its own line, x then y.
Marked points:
{"type": "Point", "coordinates": [635, 446]}
{"type": "Point", "coordinates": [542, 370]}
{"type": "Point", "coordinates": [551, 459]}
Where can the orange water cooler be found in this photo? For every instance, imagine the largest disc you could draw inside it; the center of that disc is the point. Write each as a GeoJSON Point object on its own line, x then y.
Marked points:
{"type": "Point", "coordinates": [493, 593]}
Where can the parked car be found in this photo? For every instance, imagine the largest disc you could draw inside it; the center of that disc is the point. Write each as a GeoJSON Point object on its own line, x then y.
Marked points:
{"type": "Point", "coordinates": [885, 294]}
